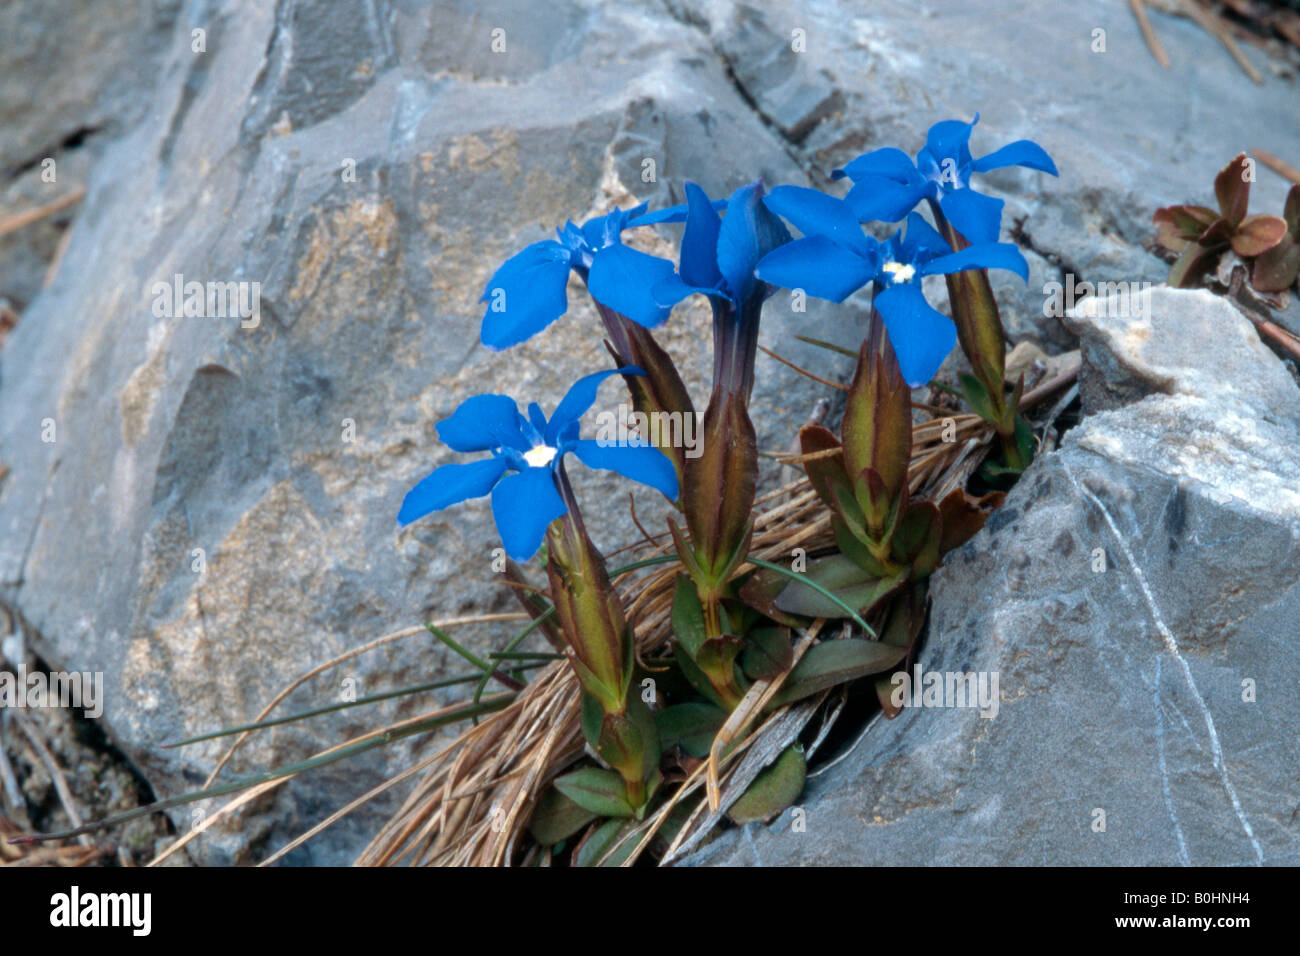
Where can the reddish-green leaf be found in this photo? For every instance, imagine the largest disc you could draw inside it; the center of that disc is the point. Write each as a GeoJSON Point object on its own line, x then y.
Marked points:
{"type": "Point", "coordinates": [1257, 234]}
{"type": "Point", "coordinates": [1232, 189]}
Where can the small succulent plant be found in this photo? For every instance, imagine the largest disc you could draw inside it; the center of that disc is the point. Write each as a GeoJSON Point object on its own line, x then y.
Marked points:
{"type": "Point", "coordinates": [1201, 235]}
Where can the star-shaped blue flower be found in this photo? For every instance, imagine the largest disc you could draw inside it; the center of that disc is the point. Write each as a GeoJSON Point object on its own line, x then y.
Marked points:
{"type": "Point", "coordinates": [526, 454]}
{"type": "Point", "coordinates": [719, 253]}
{"type": "Point", "coordinates": [717, 259]}
{"type": "Point", "coordinates": [527, 293]}
{"type": "Point", "coordinates": [888, 184]}
{"type": "Point", "coordinates": [835, 258]}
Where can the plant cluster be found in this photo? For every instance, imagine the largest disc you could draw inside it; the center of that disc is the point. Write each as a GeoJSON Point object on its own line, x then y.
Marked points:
{"type": "Point", "coordinates": [1269, 246]}
{"type": "Point", "coordinates": [734, 615]}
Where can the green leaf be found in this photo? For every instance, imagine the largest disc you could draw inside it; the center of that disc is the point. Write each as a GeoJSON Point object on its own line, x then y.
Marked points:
{"type": "Point", "coordinates": [556, 818]}
{"type": "Point", "coordinates": [768, 652]}
{"type": "Point", "coordinates": [805, 583]}
{"type": "Point", "coordinates": [690, 726]}
{"type": "Point", "coordinates": [855, 549]}
{"type": "Point", "coordinates": [1024, 441]}
{"type": "Point", "coordinates": [629, 742]}
{"type": "Point", "coordinates": [834, 662]}
{"type": "Point", "coordinates": [696, 677]}
{"type": "Point", "coordinates": [602, 792]}
{"type": "Point", "coordinates": [977, 397]}
{"type": "Point", "coordinates": [824, 474]}
{"type": "Point", "coordinates": [717, 657]}
{"type": "Point", "coordinates": [597, 843]}
{"type": "Point", "coordinates": [773, 790]}
{"type": "Point", "coordinates": [688, 616]}
{"type": "Point", "coordinates": [844, 579]}
{"type": "Point", "coordinates": [916, 538]}
{"type": "Point", "coordinates": [759, 591]}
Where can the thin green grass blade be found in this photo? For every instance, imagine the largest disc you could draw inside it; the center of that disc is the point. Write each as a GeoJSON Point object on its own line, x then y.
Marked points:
{"type": "Point", "coordinates": [809, 583]}
{"type": "Point", "coordinates": [318, 711]}
{"type": "Point", "coordinates": [289, 770]}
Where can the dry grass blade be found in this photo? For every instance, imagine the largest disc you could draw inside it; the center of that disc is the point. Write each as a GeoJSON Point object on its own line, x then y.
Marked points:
{"type": "Point", "coordinates": [750, 706]}
{"type": "Point", "coordinates": [1153, 41]}
{"type": "Point", "coordinates": [21, 220]}
{"type": "Point", "coordinates": [347, 656]}
{"type": "Point", "coordinates": [1211, 23]}
{"type": "Point", "coordinates": [1279, 166]}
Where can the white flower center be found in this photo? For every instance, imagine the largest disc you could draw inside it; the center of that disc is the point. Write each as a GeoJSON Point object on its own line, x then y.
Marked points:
{"type": "Point", "coordinates": [539, 456]}
{"type": "Point", "coordinates": [900, 272]}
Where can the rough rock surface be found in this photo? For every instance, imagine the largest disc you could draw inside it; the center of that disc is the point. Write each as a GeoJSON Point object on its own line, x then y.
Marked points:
{"type": "Point", "coordinates": [1138, 596]}
{"type": "Point", "coordinates": [235, 163]}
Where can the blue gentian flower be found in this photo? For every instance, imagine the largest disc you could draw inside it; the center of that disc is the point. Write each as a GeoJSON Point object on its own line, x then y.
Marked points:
{"type": "Point", "coordinates": [888, 184]}
{"type": "Point", "coordinates": [717, 259]}
{"type": "Point", "coordinates": [718, 254]}
{"type": "Point", "coordinates": [527, 293]}
{"type": "Point", "coordinates": [835, 258]}
{"type": "Point", "coordinates": [523, 469]}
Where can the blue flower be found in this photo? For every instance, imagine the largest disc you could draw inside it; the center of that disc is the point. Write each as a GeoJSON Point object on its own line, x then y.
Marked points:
{"type": "Point", "coordinates": [887, 184]}
{"type": "Point", "coordinates": [718, 254]}
{"type": "Point", "coordinates": [527, 293]}
{"type": "Point", "coordinates": [717, 259]}
{"type": "Point", "coordinates": [522, 471]}
{"type": "Point", "coordinates": [835, 258]}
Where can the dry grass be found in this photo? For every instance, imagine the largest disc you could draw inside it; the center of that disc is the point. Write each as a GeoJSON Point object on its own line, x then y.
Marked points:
{"type": "Point", "coordinates": [473, 797]}
{"type": "Point", "coordinates": [472, 804]}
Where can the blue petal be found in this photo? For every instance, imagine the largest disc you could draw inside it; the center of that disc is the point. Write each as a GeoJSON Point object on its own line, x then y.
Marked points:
{"type": "Point", "coordinates": [450, 485]}
{"type": "Point", "coordinates": [640, 462]}
{"type": "Point", "coordinates": [816, 214]}
{"type": "Point", "coordinates": [950, 139]}
{"type": "Point", "coordinates": [571, 236]}
{"type": "Point", "coordinates": [524, 503]}
{"type": "Point", "coordinates": [922, 242]}
{"type": "Point", "coordinates": [749, 232]}
{"type": "Point", "coordinates": [988, 255]}
{"type": "Point", "coordinates": [921, 336]}
{"type": "Point", "coordinates": [580, 398]}
{"type": "Point", "coordinates": [976, 216]}
{"type": "Point", "coordinates": [536, 418]}
{"type": "Point", "coordinates": [878, 199]}
{"type": "Point", "coordinates": [622, 279]}
{"type": "Point", "coordinates": [887, 163]}
{"type": "Point", "coordinates": [699, 256]}
{"type": "Point", "coordinates": [671, 290]}
{"type": "Point", "coordinates": [482, 422]}
{"type": "Point", "coordinates": [671, 214]}
{"type": "Point", "coordinates": [1023, 152]}
{"type": "Point", "coordinates": [525, 295]}
{"type": "Point", "coordinates": [820, 266]}
{"type": "Point", "coordinates": [602, 231]}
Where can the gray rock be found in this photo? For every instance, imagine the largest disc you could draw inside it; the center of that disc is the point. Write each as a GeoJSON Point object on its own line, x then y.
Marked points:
{"type": "Point", "coordinates": [1137, 598]}
{"type": "Point", "coordinates": [282, 451]}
